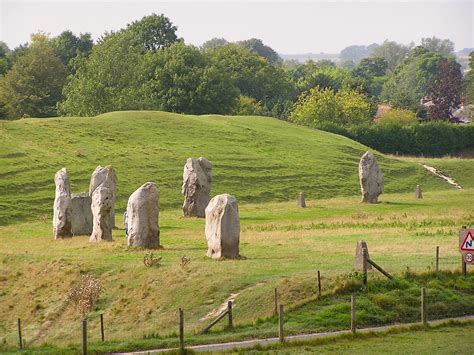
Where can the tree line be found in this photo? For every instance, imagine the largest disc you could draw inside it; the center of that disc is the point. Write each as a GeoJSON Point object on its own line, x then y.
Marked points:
{"type": "Point", "coordinates": [146, 66]}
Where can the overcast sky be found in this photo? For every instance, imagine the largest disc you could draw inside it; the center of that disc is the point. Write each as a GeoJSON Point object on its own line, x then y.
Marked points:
{"type": "Point", "coordinates": [288, 27]}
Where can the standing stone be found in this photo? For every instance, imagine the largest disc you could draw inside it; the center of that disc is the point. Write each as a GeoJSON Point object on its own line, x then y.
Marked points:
{"type": "Point", "coordinates": [102, 203]}
{"type": "Point", "coordinates": [142, 212]}
{"type": "Point", "coordinates": [301, 200]}
{"type": "Point", "coordinates": [105, 176]}
{"type": "Point", "coordinates": [81, 214]}
{"type": "Point", "coordinates": [197, 177]}
{"type": "Point", "coordinates": [62, 206]}
{"type": "Point", "coordinates": [359, 256]}
{"type": "Point", "coordinates": [222, 227]}
{"type": "Point", "coordinates": [418, 193]}
{"type": "Point", "coordinates": [370, 177]}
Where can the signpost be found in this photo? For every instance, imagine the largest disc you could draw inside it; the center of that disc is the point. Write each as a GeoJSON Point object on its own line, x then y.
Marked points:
{"type": "Point", "coordinates": [466, 246]}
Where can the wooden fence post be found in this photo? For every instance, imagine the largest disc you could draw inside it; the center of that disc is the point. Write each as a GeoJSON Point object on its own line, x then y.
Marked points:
{"type": "Point", "coordinates": [20, 340]}
{"type": "Point", "coordinates": [319, 284]}
{"type": "Point", "coordinates": [437, 258]}
{"type": "Point", "coordinates": [423, 306]}
{"type": "Point", "coordinates": [230, 324]}
{"type": "Point", "coordinates": [102, 327]}
{"type": "Point", "coordinates": [84, 337]}
{"type": "Point", "coordinates": [280, 325]}
{"type": "Point", "coordinates": [181, 329]}
{"type": "Point", "coordinates": [275, 309]}
{"type": "Point", "coordinates": [364, 264]}
{"type": "Point", "coordinates": [353, 314]}
{"type": "Point", "coordinates": [463, 266]}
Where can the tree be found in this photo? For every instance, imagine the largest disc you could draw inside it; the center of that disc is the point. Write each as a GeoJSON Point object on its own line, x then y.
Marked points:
{"type": "Point", "coordinates": [153, 32]}
{"type": "Point", "coordinates": [184, 80]}
{"type": "Point", "coordinates": [469, 81]}
{"type": "Point", "coordinates": [322, 106]}
{"type": "Point", "coordinates": [68, 46]}
{"type": "Point", "coordinates": [256, 45]}
{"type": "Point", "coordinates": [355, 53]}
{"type": "Point", "coordinates": [3, 58]}
{"type": "Point", "coordinates": [393, 53]}
{"type": "Point", "coordinates": [33, 85]}
{"type": "Point", "coordinates": [444, 89]}
{"type": "Point", "coordinates": [371, 67]}
{"type": "Point", "coordinates": [214, 43]}
{"type": "Point", "coordinates": [398, 117]}
{"type": "Point", "coordinates": [442, 46]}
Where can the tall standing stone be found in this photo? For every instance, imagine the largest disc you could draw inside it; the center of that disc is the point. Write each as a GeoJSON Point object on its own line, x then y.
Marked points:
{"type": "Point", "coordinates": [359, 256]}
{"type": "Point", "coordinates": [102, 203]}
{"type": "Point", "coordinates": [142, 211]}
{"type": "Point", "coordinates": [301, 200]}
{"type": "Point", "coordinates": [222, 227]}
{"type": "Point", "coordinates": [418, 193]}
{"type": "Point", "coordinates": [370, 177]}
{"type": "Point", "coordinates": [197, 177]}
{"type": "Point", "coordinates": [62, 206]}
{"type": "Point", "coordinates": [81, 214]}
{"type": "Point", "coordinates": [105, 176]}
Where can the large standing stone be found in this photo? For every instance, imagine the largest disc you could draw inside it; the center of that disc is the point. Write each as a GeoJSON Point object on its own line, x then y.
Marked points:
{"type": "Point", "coordinates": [301, 200]}
{"type": "Point", "coordinates": [197, 177]}
{"type": "Point", "coordinates": [418, 193]}
{"type": "Point", "coordinates": [81, 214]}
{"type": "Point", "coordinates": [105, 176]}
{"type": "Point", "coordinates": [222, 227]}
{"type": "Point", "coordinates": [370, 177]}
{"type": "Point", "coordinates": [62, 206]}
{"type": "Point", "coordinates": [142, 211]}
{"type": "Point", "coordinates": [102, 203]}
{"type": "Point", "coordinates": [359, 256]}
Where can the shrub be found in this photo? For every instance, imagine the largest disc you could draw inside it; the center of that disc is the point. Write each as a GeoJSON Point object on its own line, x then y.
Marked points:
{"type": "Point", "coordinates": [398, 117]}
{"type": "Point", "coordinates": [85, 294]}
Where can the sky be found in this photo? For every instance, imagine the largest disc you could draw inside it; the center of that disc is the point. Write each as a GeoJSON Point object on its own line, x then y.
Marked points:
{"type": "Point", "coordinates": [289, 27]}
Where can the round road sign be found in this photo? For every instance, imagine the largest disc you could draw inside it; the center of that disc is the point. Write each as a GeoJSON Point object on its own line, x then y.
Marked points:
{"type": "Point", "coordinates": [468, 257]}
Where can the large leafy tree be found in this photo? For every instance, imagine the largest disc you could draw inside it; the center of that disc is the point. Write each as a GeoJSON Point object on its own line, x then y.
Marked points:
{"type": "Point", "coordinates": [68, 46]}
{"type": "Point", "coordinates": [33, 85]}
{"type": "Point", "coordinates": [214, 43]}
{"type": "Point", "coordinates": [469, 81]}
{"type": "Point", "coordinates": [394, 53]}
{"type": "Point", "coordinates": [444, 47]}
{"type": "Point", "coordinates": [3, 57]}
{"type": "Point", "coordinates": [257, 46]}
{"type": "Point", "coordinates": [153, 32]}
{"type": "Point", "coordinates": [445, 89]}
{"type": "Point", "coordinates": [184, 80]}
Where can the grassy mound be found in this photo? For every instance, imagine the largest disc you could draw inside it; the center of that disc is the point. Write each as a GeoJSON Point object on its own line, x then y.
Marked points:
{"type": "Point", "coordinates": [255, 158]}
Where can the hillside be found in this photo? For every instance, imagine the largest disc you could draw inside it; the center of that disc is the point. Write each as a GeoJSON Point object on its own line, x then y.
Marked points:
{"type": "Point", "coordinates": [255, 158]}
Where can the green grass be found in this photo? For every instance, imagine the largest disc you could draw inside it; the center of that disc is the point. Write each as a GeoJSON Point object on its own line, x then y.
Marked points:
{"type": "Point", "coordinates": [255, 158]}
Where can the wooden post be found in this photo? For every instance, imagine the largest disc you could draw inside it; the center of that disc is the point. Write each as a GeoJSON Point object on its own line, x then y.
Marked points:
{"type": "Point", "coordinates": [102, 327]}
{"type": "Point", "coordinates": [319, 284]}
{"type": "Point", "coordinates": [84, 337]}
{"type": "Point", "coordinates": [437, 259]}
{"type": "Point", "coordinates": [364, 264]}
{"type": "Point", "coordinates": [181, 329]}
{"type": "Point", "coordinates": [230, 324]}
{"type": "Point", "coordinates": [463, 266]}
{"type": "Point", "coordinates": [353, 314]}
{"type": "Point", "coordinates": [275, 310]}
{"type": "Point", "coordinates": [280, 325]}
{"type": "Point", "coordinates": [20, 340]}
{"type": "Point", "coordinates": [423, 306]}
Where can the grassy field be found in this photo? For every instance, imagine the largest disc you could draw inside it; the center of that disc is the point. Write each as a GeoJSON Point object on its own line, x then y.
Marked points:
{"type": "Point", "coordinates": [255, 158]}
{"type": "Point", "coordinates": [264, 162]}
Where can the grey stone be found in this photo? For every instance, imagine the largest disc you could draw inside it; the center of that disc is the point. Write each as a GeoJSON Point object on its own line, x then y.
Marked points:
{"type": "Point", "coordinates": [418, 192]}
{"type": "Point", "coordinates": [371, 178]}
{"type": "Point", "coordinates": [102, 203]}
{"type": "Point", "coordinates": [197, 177]}
{"type": "Point", "coordinates": [142, 211]}
{"type": "Point", "coordinates": [81, 214]}
{"type": "Point", "coordinates": [105, 176]}
{"type": "Point", "coordinates": [222, 227]}
{"type": "Point", "coordinates": [301, 200]}
{"type": "Point", "coordinates": [62, 206]}
{"type": "Point", "coordinates": [359, 256]}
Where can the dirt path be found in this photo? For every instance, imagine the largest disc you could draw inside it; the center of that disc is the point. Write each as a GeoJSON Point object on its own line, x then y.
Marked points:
{"type": "Point", "coordinates": [263, 342]}
{"type": "Point", "coordinates": [436, 172]}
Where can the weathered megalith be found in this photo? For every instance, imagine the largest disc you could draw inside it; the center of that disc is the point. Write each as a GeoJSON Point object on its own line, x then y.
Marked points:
{"type": "Point", "coordinates": [197, 177]}
{"type": "Point", "coordinates": [301, 200]}
{"type": "Point", "coordinates": [81, 214]}
{"type": "Point", "coordinates": [102, 203]}
{"type": "Point", "coordinates": [418, 193]}
{"type": "Point", "coordinates": [62, 206]}
{"type": "Point", "coordinates": [370, 177]}
{"type": "Point", "coordinates": [359, 256]}
{"type": "Point", "coordinates": [142, 212]}
{"type": "Point", "coordinates": [105, 176]}
{"type": "Point", "coordinates": [223, 227]}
